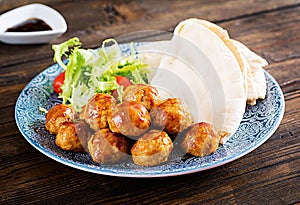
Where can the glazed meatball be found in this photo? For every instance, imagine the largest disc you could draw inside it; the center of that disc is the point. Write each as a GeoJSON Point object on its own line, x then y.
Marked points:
{"type": "Point", "coordinates": [153, 148]}
{"type": "Point", "coordinates": [130, 119]}
{"type": "Point", "coordinates": [144, 94]}
{"type": "Point", "coordinates": [73, 136]}
{"type": "Point", "coordinates": [201, 139]}
{"type": "Point", "coordinates": [106, 147]}
{"type": "Point", "coordinates": [98, 111]}
{"type": "Point", "coordinates": [171, 115]}
{"type": "Point", "coordinates": [57, 115]}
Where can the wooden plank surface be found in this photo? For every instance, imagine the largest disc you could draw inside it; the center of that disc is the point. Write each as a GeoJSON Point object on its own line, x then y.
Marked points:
{"type": "Point", "coordinates": [268, 175]}
{"type": "Point", "coordinates": [143, 15]}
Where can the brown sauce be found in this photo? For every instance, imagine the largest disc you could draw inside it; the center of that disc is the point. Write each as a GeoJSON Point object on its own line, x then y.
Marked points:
{"type": "Point", "coordinates": [32, 24]}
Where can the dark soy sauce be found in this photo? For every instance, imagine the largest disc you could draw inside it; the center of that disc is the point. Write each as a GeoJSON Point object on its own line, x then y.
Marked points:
{"type": "Point", "coordinates": [32, 24]}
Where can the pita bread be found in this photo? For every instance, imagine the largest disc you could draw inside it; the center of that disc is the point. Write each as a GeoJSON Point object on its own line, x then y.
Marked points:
{"type": "Point", "coordinates": [251, 91]}
{"type": "Point", "coordinates": [226, 65]}
{"type": "Point", "coordinates": [223, 34]}
{"type": "Point", "coordinates": [257, 86]}
{"type": "Point", "coordinates": [250, 63]}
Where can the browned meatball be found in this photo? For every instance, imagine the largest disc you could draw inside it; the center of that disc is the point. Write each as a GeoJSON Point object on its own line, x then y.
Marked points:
{"type": "Point", "coordinates": [201, 139]}
{"type": "Point", "coordinates": [153, 148]}
{"type": "Point", "coordinates": [130, 119]}
{"type": "Point", "coordinates": [73, 136]}
{"type": "Point", "coordinates": [57, 115]}
{"type": "Point", "coordinates": [98, 110]}
{"type": "Point", "coordinates": [106, 147]}
{"type": "Point", "coordinates": [171, 115]}
{"type": "Point", "coordinates": [144, 94]}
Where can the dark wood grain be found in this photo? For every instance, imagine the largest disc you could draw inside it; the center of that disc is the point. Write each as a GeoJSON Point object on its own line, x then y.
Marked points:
{"type": "Point", "coordinates": [268, 175]}
{"type": "Point", "coordinates": [143, 15]}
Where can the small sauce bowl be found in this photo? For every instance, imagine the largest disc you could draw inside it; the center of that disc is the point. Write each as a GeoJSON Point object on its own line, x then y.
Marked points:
{"type": "Point", "coordinates": [39, 11]}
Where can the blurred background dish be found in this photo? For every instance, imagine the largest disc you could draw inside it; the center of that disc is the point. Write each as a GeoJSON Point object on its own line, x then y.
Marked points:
{"type": "Point", "coordinates": [31, 24]}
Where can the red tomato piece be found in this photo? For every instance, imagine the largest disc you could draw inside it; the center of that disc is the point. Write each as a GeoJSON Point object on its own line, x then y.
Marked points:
{"type": "Point", "coordinates": [115, 94]}
{"type": "Point", "coordinates": [123, 81]}
{"type": "Point", "coordinates": [58, 82]}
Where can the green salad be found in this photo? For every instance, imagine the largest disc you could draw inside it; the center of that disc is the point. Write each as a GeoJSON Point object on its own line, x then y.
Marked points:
{"type": "Point", "coordinates": [91, 71]}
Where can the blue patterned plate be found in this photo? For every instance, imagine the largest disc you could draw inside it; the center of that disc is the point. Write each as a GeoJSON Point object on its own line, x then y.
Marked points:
{"type": "Point", "coordinates": [259, 123]}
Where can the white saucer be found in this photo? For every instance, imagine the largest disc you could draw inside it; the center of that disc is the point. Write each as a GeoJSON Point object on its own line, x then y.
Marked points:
{"type": "Point", "coordinates": [13, 17]}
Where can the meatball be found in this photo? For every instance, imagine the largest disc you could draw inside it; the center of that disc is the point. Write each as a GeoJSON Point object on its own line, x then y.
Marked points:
{"type": "Point", "coordinates": [106, 147]}
{"type": "Point", "coordinates": [73, 136]}
{"type": "Point", "coordinates": [153, 148]}
{"type": "Point", "coordinates": [57, 115]}
{"type": "Point", "coordinates": [98, 111]}
{"type": "Point", "coordinates": [201, 139]}
{"type": "Point", "coordinates": [144, 94]}
{"type": "Point", "coordinates": [130, 119]}
{"type": "Point", "coordinates": [171, 115]}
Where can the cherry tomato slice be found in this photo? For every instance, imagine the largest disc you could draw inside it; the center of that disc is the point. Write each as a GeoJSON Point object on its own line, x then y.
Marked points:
{"type": "Point", "coordinates": [58, 82]}
{"type": "Point", "coordinates": [123, 81]}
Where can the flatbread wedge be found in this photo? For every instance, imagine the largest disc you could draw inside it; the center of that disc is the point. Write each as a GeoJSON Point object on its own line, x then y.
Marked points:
{"type": "Point", "coordinates": [257, 87]}
{"type": "Point", "coordinates": [223, 34]}
{"type": "Point", "coordinates": [250, 63]}
{"type": "Point", "coordinates": [202, 34]}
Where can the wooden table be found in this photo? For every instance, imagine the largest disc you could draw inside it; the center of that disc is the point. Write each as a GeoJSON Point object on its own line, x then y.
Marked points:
{"type": "Point", "coordinates": [268, 175]}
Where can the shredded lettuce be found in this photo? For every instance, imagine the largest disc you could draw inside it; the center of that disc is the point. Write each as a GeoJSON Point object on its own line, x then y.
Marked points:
{"type": "Point", "coordinates": [90, 71]}
{"type": "Point", "coordinates": [62, 49]}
